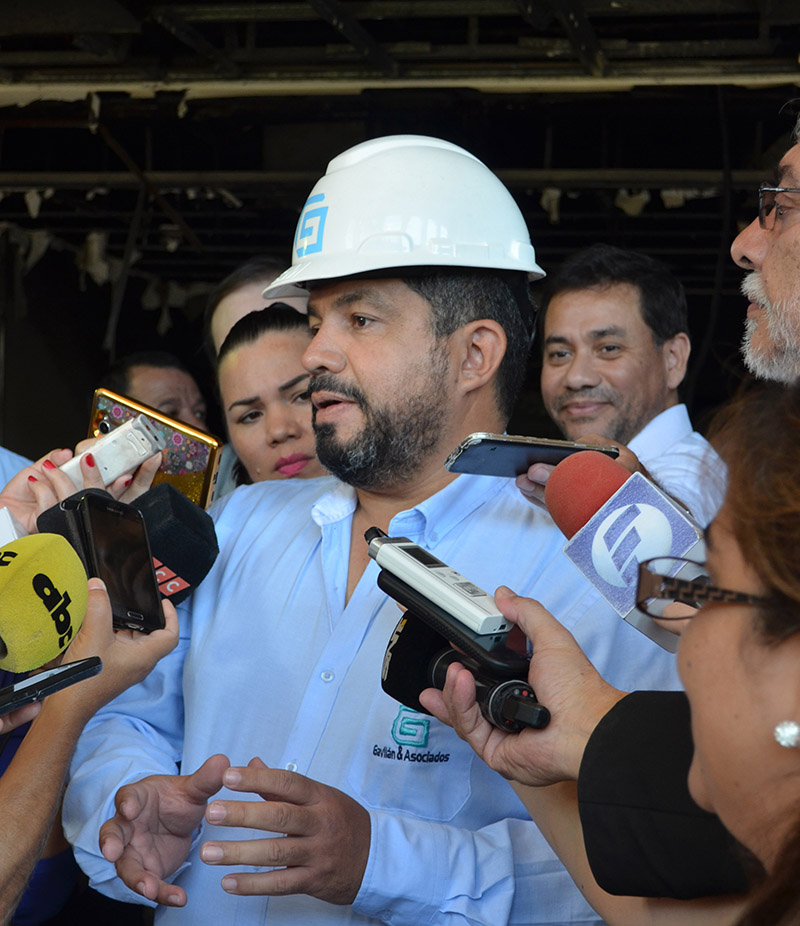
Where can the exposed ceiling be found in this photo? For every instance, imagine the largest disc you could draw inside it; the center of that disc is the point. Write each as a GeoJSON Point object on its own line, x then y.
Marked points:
{"type": "Point", "coordinates": [170, 141]}
{"type": "Point", "coordinates": [224, 114]}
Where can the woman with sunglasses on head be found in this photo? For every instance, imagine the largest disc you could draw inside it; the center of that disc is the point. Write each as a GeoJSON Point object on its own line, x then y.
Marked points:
{"type": "Point", "coordinates": [739, 659]}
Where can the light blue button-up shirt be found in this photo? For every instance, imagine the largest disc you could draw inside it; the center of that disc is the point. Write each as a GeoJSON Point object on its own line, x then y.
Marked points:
{"type": "Point", "coordinates": [274, 664]}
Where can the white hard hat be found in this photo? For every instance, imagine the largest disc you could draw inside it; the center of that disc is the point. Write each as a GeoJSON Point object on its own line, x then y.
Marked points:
{"type": "Point", "coordinates": [406, 201]}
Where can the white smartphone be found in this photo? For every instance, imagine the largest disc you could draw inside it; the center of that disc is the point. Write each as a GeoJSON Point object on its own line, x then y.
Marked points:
{"type": "Point", "coordinates": [510, 455]}
{"type": "Point", "coordinates": [120, 451]}
{"type": "Point", "coordinates": [436, 581]}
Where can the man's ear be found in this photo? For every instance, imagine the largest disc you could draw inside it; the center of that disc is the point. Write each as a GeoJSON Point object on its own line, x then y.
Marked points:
{"type": "Point", "coordinates": [479, 348]}
{"type": "Point", "coordinates": [676, 358]}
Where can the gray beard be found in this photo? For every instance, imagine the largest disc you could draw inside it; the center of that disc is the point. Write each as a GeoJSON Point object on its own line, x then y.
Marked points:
{"type": "Point", "coordinates": [782, 363]}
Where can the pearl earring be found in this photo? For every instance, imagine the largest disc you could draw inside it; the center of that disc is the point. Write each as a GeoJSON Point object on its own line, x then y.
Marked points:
{"type": "Point", "coordinates": [787, 733]}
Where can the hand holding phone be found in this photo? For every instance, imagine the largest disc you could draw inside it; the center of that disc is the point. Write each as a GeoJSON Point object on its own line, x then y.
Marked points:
{"type": "Point", "coordinates": [190, 460]}
{"type": "Point", "coordinates": [511, 455]}
{"type": "Point", "coordinates": [111, 539]}
{"type": "Point", "coordinates": [120, 451]}
{"type": "Point", "coordinates": [38, 686]}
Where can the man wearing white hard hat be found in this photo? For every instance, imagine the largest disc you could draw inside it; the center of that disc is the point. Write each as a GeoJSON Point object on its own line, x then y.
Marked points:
{"type": "Point", "coordinates": [307, 795]}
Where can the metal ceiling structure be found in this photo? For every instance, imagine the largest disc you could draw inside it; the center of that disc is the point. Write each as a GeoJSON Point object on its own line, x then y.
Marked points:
{"type": "Point", "coordinates": [167, 142]}
{"type": "Point", "coordinates": [225, 113]}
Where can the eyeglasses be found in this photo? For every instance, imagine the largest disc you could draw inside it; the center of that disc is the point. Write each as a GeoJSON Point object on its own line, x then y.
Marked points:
{"type": "Point", "coordinates": [769, 210]}
{"type": "Point", "coordinates": [657, 588]}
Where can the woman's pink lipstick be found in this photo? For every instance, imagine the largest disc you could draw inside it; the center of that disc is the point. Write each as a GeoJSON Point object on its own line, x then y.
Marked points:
{"type": "Point", "coordinates": [293, 464]}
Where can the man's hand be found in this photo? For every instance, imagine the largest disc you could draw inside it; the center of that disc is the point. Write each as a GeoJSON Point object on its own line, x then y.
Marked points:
{"type": "Point", "coordinates": [150, 835]}
{"type": "Point", "coordinates": [127, 655]}
{"type": "Point", "coordinates": [325, 849]}
{"type": "Point", "coordinates": [532, 483]}
{"type": "Point", "coordinates": [564, 681]}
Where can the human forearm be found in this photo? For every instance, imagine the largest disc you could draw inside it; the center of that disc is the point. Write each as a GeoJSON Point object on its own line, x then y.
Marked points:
{"type": "Point", "coordinates": [555, 811]}
{"type": "Point", "coordinates": [30, 791]}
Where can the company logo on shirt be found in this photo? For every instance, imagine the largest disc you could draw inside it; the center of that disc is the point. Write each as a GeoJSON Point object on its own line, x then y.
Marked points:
{"type": "Point", "coordinates": [410, 729]}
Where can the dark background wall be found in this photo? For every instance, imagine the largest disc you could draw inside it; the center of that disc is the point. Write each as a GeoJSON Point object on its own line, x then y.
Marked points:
{"type": "Point", "coordinates": [190, 134]}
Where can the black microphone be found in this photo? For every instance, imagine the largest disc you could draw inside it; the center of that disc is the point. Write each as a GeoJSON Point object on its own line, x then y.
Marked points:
{"type": "Point", "coordinates": [182, 540]}
{"type": "Point", "coordinates": [417, 658]}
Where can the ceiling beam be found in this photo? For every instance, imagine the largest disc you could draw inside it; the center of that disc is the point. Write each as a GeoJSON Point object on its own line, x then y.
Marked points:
{"type": "Point", "coordinates": [335, 13]}
{"type": "Point", "coordinates": [260, 181]}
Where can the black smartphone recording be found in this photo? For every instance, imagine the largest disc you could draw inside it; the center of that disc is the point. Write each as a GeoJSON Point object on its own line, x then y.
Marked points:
{"type": "Point", "coordinates": [111, 539]}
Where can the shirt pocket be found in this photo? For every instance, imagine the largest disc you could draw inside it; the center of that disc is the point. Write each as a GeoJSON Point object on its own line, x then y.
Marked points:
{"type": "Point", "coordinates": [411, 763]}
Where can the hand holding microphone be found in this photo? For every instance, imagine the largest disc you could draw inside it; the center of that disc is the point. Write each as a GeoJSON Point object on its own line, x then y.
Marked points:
{"type": "Point", "coordinates": [563, 679]}
{"type": "Point", "coordinates": [47, 600]}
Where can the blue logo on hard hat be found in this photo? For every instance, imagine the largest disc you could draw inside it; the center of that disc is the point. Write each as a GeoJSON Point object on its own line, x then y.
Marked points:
{"type": "Point", "coordinates": [310, 228]}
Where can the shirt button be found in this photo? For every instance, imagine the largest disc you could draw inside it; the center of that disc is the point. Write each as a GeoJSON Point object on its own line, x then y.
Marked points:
{"type": "Point", "coordinates": [291, 766]}
{"type": "Point", "coordinates": [327, 676]}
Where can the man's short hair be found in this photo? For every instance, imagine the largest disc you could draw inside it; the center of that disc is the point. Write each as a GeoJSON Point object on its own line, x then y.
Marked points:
{"type": "Point", "coordinates": [458, 297]}
{"type": "Point", "coordinates": [661, 294]}
{"type": "Point", "coordinates": [117, 376]}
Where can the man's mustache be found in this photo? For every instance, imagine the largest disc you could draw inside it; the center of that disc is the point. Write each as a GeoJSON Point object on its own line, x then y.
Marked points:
{"type": "Point", "coordinates": [327, 382]}
{"type": "Point", "coordinates": [596, 395]}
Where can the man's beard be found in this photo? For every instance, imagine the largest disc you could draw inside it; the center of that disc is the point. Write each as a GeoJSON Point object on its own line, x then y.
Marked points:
{"type": "Point", "coordinates": [626, 423]}
{"type": "Point", "coordinates": [393, 443]}
{"type": "Point", "coordinates": [779, 360]}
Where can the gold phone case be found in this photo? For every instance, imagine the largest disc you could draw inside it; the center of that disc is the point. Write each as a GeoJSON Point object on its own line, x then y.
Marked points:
{"type": "Point", "coordinates": [191, 459]}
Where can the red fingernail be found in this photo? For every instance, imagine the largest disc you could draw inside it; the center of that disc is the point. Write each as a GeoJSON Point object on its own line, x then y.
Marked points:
{"type": "Point", "coordinates": [128, 481]}
{"type": "Point", "coordinates": [32, 479]}
{"type": "Point", "coordinates": [48, 464]}
{"type": "Point", "coordinates": [89, 459]}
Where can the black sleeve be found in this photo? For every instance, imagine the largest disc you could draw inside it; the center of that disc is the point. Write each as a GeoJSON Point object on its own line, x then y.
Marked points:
{"type": "Point", "coordinates": [644, 834]}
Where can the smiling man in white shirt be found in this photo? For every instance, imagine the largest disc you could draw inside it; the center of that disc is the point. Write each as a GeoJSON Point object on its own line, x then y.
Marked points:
{"type": "Point", "coordinates": [615, 348]}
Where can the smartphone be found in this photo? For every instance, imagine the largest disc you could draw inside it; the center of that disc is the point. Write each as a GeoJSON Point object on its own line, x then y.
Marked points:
{"type": "Point", "coordinates": [455, 608]}
{"type": "Point", "coordinates": [510, 455]}
{"type": "Point", "coordinates": [114, 546]}
{"type": "Point", "coordinates": [190, 458]}
{"type": "Point", "coordinates": [120, 451]}
{"type": "Point", "coordinates": [38, 686]}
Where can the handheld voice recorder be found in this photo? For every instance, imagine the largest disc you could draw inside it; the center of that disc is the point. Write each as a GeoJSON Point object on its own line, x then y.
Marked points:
{"type": "Point", "coordinates": [446, 610]}
{"type": "Point", "coordinates": [436, 581]}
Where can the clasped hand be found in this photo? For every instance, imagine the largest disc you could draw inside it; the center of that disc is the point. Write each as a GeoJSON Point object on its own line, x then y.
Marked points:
{"type": "Point", "coordinates": [322, 851]}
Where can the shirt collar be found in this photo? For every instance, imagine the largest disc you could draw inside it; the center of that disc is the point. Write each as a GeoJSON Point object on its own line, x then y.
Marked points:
{"type": "Point", "coordinates": [426, 522]}
{"type": "Point", "coordinates": [666, 429]}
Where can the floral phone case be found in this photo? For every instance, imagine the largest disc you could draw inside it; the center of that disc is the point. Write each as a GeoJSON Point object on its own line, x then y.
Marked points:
{"type": "Point", "coordinates": [191, 458]}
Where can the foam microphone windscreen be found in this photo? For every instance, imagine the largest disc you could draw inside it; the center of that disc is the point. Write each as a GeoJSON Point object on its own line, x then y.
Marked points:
{"type": "Point", "coordinates": [43, 597]}
{"type": "Point", "coordinates": [579, 486]}
{"type": "Point", "coordinates": [182, 540]}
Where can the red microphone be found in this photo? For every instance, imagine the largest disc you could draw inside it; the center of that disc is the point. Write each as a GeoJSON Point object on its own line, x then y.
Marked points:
{"type": "Point", "coordinates": [613, 521]}
{"type": "Point", "coordinates": [579, 486]}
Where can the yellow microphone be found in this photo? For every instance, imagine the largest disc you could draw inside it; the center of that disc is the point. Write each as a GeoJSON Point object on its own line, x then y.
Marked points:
{"type": "Point", "coordinates": [43, 597]}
